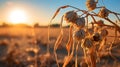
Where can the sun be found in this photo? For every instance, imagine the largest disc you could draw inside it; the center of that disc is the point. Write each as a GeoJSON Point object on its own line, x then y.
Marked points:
{"type": "Point", "coordinates": [17, 16]}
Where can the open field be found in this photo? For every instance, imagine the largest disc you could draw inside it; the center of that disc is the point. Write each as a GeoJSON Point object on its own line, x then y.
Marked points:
{"type": "Point", "coordinates": [17, 46]}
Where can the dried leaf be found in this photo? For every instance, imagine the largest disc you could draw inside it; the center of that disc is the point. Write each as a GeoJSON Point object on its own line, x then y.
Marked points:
{"type": "Point", "coordinates": [67, 60]}
{"type": "Point", "coordinates": [59, 39]}
{"type": "Point", "coordinates": [102, 44]}
{"type": "Point", "coordinates": [70, 41]}
{"type": "Point", "coordinates": [58, 11]}
{"type": "Point", "coordinates": [64, 6]}
{"type": "Point", "coordinates": [68, 46]}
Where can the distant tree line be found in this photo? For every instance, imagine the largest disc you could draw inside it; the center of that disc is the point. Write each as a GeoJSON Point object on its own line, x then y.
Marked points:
{"type": "Point", "coordinates": [36, 25]}
{"type": "Point", "coordinates": [4, 24]}
{"type": "Point", "coordinates": [52, 25]}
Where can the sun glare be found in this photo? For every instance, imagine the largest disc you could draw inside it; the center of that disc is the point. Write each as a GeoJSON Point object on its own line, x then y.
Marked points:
{"type": "Point", "coordinates": [17, 16]}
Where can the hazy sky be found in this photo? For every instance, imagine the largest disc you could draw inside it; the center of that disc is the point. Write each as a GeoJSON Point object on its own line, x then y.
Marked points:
{"type": "Point", "coordinates": [42, 10]}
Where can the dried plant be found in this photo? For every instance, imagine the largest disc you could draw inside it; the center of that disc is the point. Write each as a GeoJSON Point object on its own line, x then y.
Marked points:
{"type": "Point", "coordinates": [70, 41]}
{"type": "Point", "coordinates": [91, 4]}
{"type": "Point", "coordinates": [36, 50]}
{"type": "Point", "coordinates": [80, 32]}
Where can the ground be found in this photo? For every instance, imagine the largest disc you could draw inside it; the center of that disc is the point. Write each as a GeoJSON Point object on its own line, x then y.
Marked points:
{"type": "Point", "coordinates": [25, 47]}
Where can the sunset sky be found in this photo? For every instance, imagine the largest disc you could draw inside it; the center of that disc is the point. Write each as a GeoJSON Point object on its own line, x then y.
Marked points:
{"type": "Point", "coordinates": [42, 10]}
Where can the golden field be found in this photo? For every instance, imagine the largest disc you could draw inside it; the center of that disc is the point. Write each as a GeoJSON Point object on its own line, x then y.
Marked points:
{"type": "Point", "coordinates": [17, 46]}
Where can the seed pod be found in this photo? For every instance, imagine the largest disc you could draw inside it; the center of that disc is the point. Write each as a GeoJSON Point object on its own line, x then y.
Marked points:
{"type": "Point", "coordinates": [91, 4]}
{"type": "Point", "coordinates": [96, 37]}
{"type": "Point", "coordinates": [90, 31]}
{"type": "Point", "coordinates": [70, 16]}
{"type": "Point", "coordinates": [100, 22]}
{"type": "Point", "coordinates": [80, 23]}
{"type": "Point", "coordinates": [87, 43]}
{"type": "Point", "coordinates": [103, 12]}
{"type": "Point", "coordinates": [79, 34]}
{"type": "Point", "coordinates": [103, 32]}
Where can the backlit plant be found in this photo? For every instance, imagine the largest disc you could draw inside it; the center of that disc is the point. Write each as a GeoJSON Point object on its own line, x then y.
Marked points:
{"type": "Point", "coordinates": [81, 35]}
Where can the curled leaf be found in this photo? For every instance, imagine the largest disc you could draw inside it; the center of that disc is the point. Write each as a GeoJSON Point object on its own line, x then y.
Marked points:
{"type": "Point", "coordinates": [70, 41]}
{"type": "Point", "coordinates": [64, 6]}
{"type": "Point", "coordinates": [56, 13]}
{"type": "Point", "coordinates": [68, 58]}
{"type": "Point", "coordinates": [59, 39]}
{"type": "Point", "coordinates": [93, 57]}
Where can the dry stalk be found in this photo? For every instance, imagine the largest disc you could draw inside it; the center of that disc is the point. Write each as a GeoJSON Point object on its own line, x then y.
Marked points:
{"type": "Point", "coordinates": [70, 41]}
{"type": "Point", "coordinates": [114, 13]}
{"type": "Point", "coordinates": [117, 17]}
{"type": "Point", "coordinates": [56, 46]}
{"type": "Point", "coordinates": [111, 45]}
{"type": "Point", "coordinates": [116, 26]}
{"type": "Point", "coordinates": [56, 13]}
{"type": "Point", "coordinates": [68, 58]}
{"type": "Point", "coordinates": [60, 37]}
{"type": "Point", "coordinates": [115, 36]}
{"type": "Point", "coordinates": [58, 41]}
{"type": "Point", "coordinates": [87, 21]}
{"type": "Point", "coordinates": [76, 59]}
{"type": "Point", "coordinates": [109, 52]}
{"type": "Point", "coordinates": [103, 13]}
{"type": "Point", "coordinates": [107, 19]}
{"type": "Point", "coordinates": [93, 56]}
{"type": "Point", "coordinates": [85, 55]}
{"type": "Point", "coordinates": [102, 43]}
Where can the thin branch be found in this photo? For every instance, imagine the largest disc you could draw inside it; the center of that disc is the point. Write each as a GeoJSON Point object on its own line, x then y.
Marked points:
{"type": "Point", "coordinates": [76, 63]}
{"type": "Point", "coordinates": [84, 11]}
{"type": "Point", "coordinates": [58, 42]}
{"type": "Point", "coordinates": [117, 27]}
{"type": "Point", "coordinates": [87, 21]}
{"type": "Point", "coordinates": [114, 13]}
{"type": "Point", "coordinates": [117, 17]}
{"type": "Point", "coordinates": [93, 18]}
